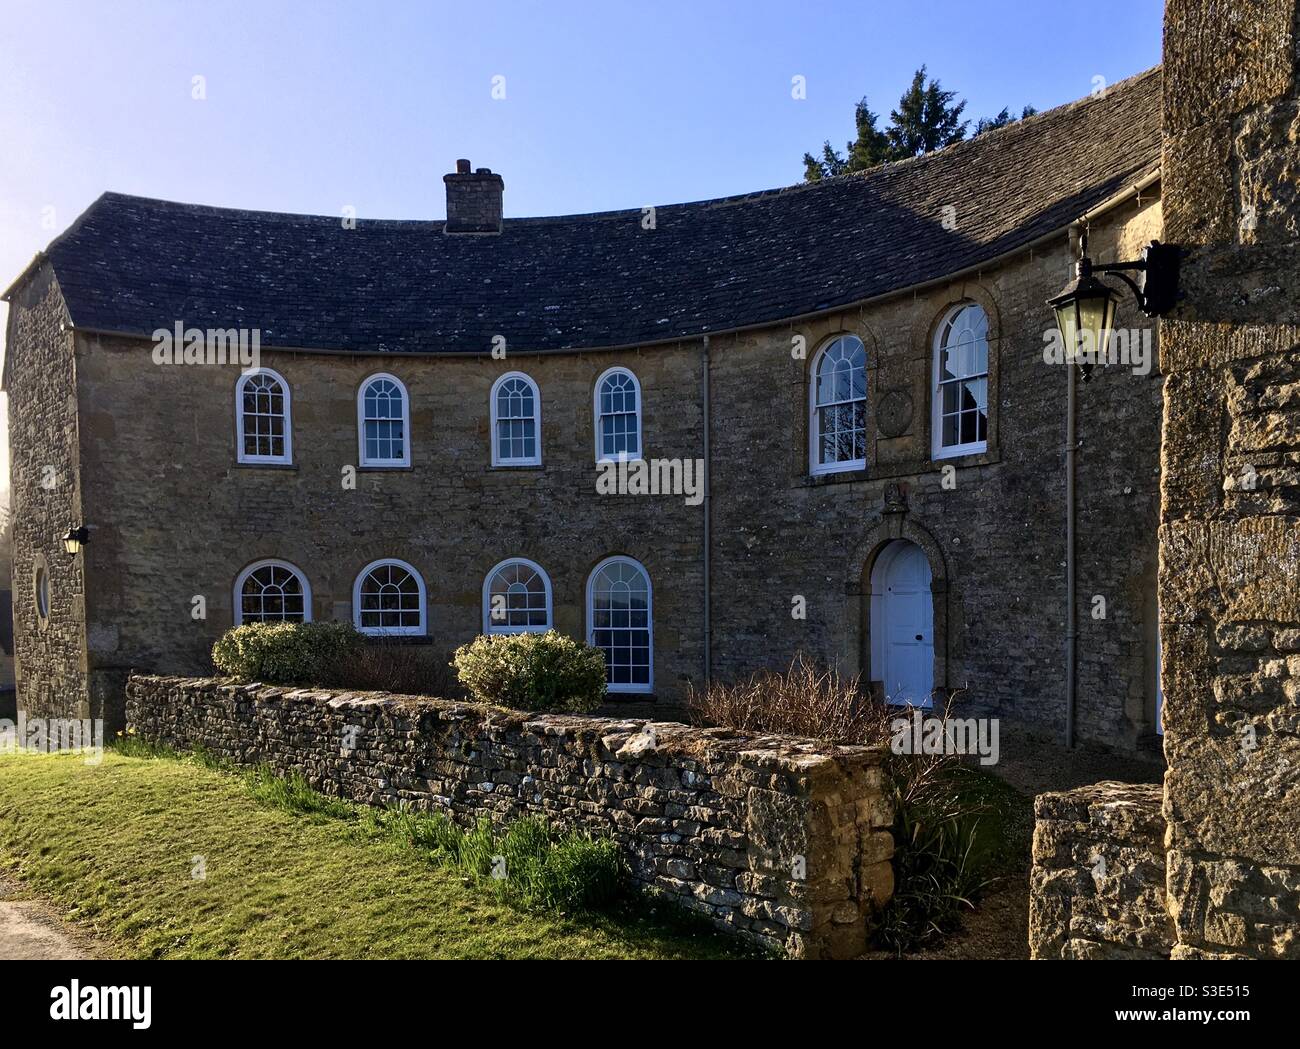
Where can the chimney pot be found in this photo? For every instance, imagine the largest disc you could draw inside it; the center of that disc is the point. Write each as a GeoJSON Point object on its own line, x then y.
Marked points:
{"type": "Point", "coordinates": [462, 167]}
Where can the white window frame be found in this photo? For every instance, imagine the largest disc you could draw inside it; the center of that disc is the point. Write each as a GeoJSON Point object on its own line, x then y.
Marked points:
{"type": "Point", "coordinates": [394, 631]}
{"type": "Point", "coordinates": [815, 466]}
{"type": "Point", "coordinates": [364, 460]}
{"type": "Point", "coordinates": [621, 457]}
{"type": "Point", "coordinates": [488, 626]}
{"type": "Point", "coordinates": [533, 460]}
{"type": "Point", "coordinates": [270, 562]}
{"type": "Point", "coordinates": [649, 686]}
{"type": "Point", "coordinates": [937, 448]}
{"type": "Point", "coordinates": [242, 456]}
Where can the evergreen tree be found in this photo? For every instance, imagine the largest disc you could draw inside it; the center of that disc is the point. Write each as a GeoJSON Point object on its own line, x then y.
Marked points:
{"type": "Point", "coordinates": [925, 119]}
{"type": "Point", "coordinates": [1002, 119]}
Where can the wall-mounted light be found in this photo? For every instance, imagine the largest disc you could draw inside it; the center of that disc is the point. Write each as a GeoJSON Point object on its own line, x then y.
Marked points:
{"type": "Point", "coordinates": [76, 539]}
{"type": "Point", "coordinates": [1085, 308]}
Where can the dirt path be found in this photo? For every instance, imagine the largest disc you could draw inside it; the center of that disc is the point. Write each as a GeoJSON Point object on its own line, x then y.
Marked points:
{"type": "Point", "coordinates": [29, 931]}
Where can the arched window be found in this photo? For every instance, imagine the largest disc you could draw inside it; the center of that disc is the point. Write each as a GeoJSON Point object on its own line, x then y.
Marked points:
{"type": "Point", "coordinates": [388, 598]}
{"type": "Point", "coordinates": [837, 427]}
{"type": "Point", "coordinates": [619, 610]}
{"type": "Point", "coordinates": [618, 416]}
{"type": "Point", "coordinates": [960, 391]}
{"type": "Point", "coordinates": [262, 418]}
{"type": "Point", "coordinates": [516, 421]}
{"type": "Point", "coordinates": [272, 592]}
{"type": "Point", "coordinates": [516, 598]}
{"type": "Point", "coordinates": [383, 422]}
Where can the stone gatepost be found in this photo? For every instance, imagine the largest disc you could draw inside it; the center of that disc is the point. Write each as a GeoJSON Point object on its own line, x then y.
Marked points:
{"type": "Point", "coordinates": [1230, 517]}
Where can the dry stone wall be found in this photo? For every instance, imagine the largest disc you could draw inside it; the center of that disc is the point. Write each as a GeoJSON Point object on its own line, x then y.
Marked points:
{"type": "Point", "coordinates": [1098, 881]}
{"type": "Point", "coordinates": [781, 840]}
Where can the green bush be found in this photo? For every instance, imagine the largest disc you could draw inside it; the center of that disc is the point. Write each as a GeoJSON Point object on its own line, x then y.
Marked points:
{"type": "Point", "coordinates": [287, 653]}
{"type": "Point", "coordinates": [542, 672]}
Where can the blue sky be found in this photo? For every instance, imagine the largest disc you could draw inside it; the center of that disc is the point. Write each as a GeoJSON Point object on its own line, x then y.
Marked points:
{"type": "Point", "coordinates": [310, 107]}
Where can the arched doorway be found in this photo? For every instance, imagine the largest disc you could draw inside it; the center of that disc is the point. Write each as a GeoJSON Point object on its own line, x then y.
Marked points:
{"type": "Point", "coordinates": [902, 624]}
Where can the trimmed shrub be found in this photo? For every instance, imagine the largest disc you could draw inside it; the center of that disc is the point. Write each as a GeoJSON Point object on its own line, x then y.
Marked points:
{"type": "Point", "coordinates": [534, 672]}
{"type": "Point", "coordinates": [287, 653]}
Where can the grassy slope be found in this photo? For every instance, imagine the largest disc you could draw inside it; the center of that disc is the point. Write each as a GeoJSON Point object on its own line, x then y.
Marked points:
{"type": "Point", "coordinates": [114, 845]}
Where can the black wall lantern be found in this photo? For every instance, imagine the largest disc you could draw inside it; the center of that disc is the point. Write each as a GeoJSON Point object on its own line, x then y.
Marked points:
{"type": "Point", "coordinates": [1085, 308]}
{"type": "Point", "coordinates": [76, 539]}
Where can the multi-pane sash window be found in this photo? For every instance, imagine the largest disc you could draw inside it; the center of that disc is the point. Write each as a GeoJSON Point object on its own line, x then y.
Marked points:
{"type": "Point", "coordinates": [516, 598]}
{"type": "Point", "coordinates": [618, 416]}
{"type": "Point", "coordinates": [619, 623]}
{"type": "Point", "coordinates": [838, 423]}
{"type": "Point", "coordinates": [383, 419]}
{"type": "Point", "coordinates": [272, 592]}
{"type": "Point", "coordinates": [388, 598]}
{"type": "Point", "coordinates": [262, 413]}
{"type": "Point", "coordinates": [516, 421]}
{"type": "Point", "coordinates": [961, 382]}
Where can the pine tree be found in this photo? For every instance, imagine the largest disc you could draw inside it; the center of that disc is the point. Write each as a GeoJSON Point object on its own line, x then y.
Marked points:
{"type": "Point", "coordinates": [925, 119]}
{"type": "Point", "coordinates": [1001, 120]}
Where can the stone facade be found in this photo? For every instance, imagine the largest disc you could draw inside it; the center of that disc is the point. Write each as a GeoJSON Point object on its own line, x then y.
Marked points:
{"type": "Point", "coordinates": [1097, 888]}
{"type": "Point", "coordinates": [994, 535]}
{"type": "Point", "coordinates": [50, 656]}
{"type": "Point", "coordinates": [776, 839]}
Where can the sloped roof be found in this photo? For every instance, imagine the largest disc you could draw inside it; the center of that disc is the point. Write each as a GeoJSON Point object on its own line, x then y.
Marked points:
{"type": "Point", "coordinates": [133, 264]}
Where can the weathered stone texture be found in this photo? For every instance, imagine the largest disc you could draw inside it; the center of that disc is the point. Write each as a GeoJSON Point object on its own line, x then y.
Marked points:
{"type": "Point", "coordinates": [780, 840]}
{"type": "Point", "coordinates": [1230, 533]}
{"type": "Point", "coordinates": [1097, 887]}
{"type": "Point", "coordinates": [45, 486]}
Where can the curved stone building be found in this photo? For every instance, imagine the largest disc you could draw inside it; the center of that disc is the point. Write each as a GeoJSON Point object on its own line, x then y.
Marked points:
{"type": "Point", "coordinates": [707, 436]}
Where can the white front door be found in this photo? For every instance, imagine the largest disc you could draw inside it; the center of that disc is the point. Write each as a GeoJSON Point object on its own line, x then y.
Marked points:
{"type": "Point", "coordinates": [903, 621]}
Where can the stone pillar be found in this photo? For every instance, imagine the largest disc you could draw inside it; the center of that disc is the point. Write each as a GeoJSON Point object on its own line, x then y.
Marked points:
{"type": "Point", "coordinates": [1230, 515]}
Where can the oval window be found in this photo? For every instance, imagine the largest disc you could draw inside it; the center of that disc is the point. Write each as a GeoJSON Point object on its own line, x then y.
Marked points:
{"type": "Point", "coordinates": [42, 593]}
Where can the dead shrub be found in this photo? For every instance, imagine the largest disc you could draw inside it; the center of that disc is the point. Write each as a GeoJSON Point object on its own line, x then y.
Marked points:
{"type": "Point", "coordinates": [385, 665]}
{"type": "Point", "coordinates": [803, 700]}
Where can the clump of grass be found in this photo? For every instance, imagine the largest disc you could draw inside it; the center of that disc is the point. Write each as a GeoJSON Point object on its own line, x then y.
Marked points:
{"type": "Point", "coordinates": [129, 745]}
{"type": "Point", "coordinates": [294, 794]}
{"type": "Point", "coordinates": [940, 853]}
{"type": "Point", "coordinates": [527, 863]}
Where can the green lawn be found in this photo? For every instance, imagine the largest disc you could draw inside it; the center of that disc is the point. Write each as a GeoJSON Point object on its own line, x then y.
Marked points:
{"type": "Point", "coordinates": [114, 846]}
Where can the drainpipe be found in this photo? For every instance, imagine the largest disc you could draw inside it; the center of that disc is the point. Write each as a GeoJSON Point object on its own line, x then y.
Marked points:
{"type": "Point", "coordinates": [1071, 638]}
{"type": "Point", "coordinates": [707, 482]}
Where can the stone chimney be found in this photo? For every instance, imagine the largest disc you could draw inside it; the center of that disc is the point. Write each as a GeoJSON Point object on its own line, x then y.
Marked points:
{"type": "Point", "coordinates": [473, 200]}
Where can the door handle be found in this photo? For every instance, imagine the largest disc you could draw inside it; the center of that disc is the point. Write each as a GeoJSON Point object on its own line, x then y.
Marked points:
{"type": "Point", "coordinates": [919, 637]}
